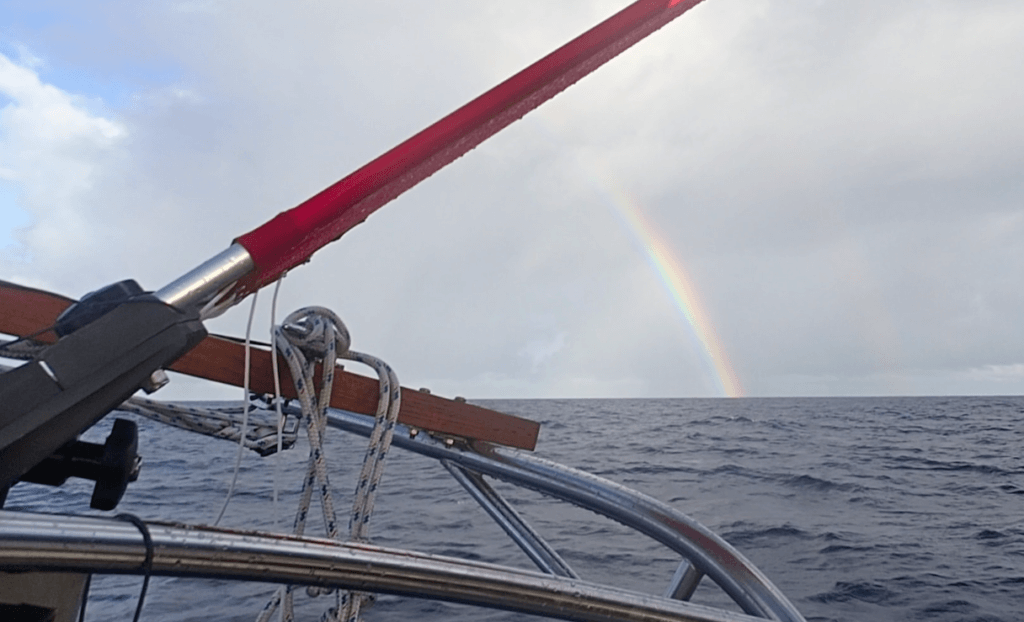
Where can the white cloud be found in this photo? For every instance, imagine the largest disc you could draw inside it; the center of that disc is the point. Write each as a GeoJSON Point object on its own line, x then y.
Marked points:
{"type": "Point", "coordinates": [841, 181]}
{"type": "Point", "coordinates": [51, 148]}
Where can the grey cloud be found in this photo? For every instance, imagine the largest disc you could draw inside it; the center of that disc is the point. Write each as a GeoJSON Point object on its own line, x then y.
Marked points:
{"type": "Point", "coordinates": [840, 179]}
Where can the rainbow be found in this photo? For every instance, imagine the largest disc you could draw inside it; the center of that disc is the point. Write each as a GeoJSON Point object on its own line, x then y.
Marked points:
{"type": "Point", "coordinates": [659, 255]}
{"type": "Point", "coordinates": [677, 283]}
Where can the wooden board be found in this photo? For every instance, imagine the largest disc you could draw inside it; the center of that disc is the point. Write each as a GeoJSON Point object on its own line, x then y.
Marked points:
{"type": "Point", "coordinates": [24, 311]}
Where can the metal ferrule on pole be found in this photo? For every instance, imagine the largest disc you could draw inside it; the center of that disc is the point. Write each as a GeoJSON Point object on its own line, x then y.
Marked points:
{"type": "Point", "coordinates": [202, 283]}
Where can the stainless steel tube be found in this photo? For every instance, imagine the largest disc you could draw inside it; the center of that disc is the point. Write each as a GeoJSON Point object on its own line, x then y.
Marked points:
{"type": "Point", "coordinates": [44, 542]}
{"type": "Point", "coordinates": [684, 582]}
{"type": "Point", "coordinates": [202, 283]}
{"type": "Point", "coordinates": [536, 548]}
{"type": "Point", "coordinates": [707, 551]}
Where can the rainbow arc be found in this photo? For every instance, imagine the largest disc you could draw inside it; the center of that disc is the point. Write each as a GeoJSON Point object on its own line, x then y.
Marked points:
{"type": "Point", "coordinates": [678, 285]}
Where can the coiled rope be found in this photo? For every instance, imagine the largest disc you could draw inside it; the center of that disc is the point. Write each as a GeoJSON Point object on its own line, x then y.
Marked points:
{"type": "Point", "coordinates": [306, 337]}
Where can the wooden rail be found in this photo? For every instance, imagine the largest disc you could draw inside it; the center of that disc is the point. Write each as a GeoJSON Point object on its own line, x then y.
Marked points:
{"type": "Point", "coordinates": [25, 311]}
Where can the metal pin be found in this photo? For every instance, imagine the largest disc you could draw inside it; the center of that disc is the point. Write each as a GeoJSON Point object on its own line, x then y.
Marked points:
{"type": "Point", "coordinates": [49, 372]}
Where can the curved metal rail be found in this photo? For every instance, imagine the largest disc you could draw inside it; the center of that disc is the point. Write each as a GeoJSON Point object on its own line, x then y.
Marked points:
{"type": "Point", "coordinates": [46, 542]}
{"type": "Point", "coordinates": [705, 550]}
{"type": "Point", "coordinates": [540, 552]}
{"type": "Point", "coordinates": [62, 543]}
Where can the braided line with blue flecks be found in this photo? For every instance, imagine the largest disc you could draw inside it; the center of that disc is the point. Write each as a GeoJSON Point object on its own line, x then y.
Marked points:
{"type": "Point", "coordinates": [388, 404]}
{"type": "Point", "coordinates": [321, 335]}
{"type": "Point", "coordinates": [224, 422]}
{"type": "Point", "coordinates": [322, 342]}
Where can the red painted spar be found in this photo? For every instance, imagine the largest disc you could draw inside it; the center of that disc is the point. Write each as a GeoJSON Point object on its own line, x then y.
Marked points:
{"type": "Point", "coordinates": [291, 237]}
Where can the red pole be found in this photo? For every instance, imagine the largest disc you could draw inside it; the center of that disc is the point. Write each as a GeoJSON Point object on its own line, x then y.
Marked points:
{"type": "Point", "coordinates": [292, 236]}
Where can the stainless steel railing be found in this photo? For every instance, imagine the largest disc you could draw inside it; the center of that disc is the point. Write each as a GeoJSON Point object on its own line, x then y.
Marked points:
{"type": "Point", "coordinates": [42, 542]}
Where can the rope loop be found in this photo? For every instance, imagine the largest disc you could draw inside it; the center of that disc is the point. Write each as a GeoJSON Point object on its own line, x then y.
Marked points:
{"type": "Point", "coordinates": [307, 336]}
{"type": "Point", "coordinates": [313, 329]}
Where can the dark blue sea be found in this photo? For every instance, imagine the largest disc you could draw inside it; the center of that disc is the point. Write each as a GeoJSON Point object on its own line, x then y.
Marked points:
{"type": "Point", "coordinates": [870, 509]}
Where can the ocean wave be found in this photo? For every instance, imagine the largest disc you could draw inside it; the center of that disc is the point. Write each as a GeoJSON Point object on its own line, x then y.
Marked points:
{"type": "Point", "coordinates": [817, 484]}
{"type": "Point", "coordinates": [740, 533]}
{"type": "Point", "coordinates": [864, 591]}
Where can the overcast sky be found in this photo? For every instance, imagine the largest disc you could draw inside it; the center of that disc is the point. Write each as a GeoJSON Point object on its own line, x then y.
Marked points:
{"type": "Point", "coordinates": [841, 183]}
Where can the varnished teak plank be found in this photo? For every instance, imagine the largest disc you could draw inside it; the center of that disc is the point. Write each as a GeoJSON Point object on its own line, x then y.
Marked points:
{"type": "Point", "coordinates": [24, 311]}
{"type": "Point", "coordinates": [223, 360]}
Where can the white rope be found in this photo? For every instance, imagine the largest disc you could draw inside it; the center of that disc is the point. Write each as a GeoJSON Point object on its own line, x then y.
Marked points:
{"type": "Point", "coordinates": [245, 409]}
{"type": "Point", "coordinates": [277, 401]}
{"type": "Point", "coordinates": [227, 422]}
{"type": "Point", "coordinates": [280, 422]}
{"type": "Point", "coordinates": [306, 336]}
{"type": "Point", "coordinates": [223, 422]}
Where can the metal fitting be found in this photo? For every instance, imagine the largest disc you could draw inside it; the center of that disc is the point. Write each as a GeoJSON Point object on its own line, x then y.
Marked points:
{"type": "Point", "coordinates": [156, 381]}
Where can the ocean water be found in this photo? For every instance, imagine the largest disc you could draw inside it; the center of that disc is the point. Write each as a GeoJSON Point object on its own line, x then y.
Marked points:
{"type": "Point", "coordinates": [871, 509]}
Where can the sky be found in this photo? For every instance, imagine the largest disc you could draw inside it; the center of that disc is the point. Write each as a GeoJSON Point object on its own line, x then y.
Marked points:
{"type": "Point", "coordinates": [764, 198]}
